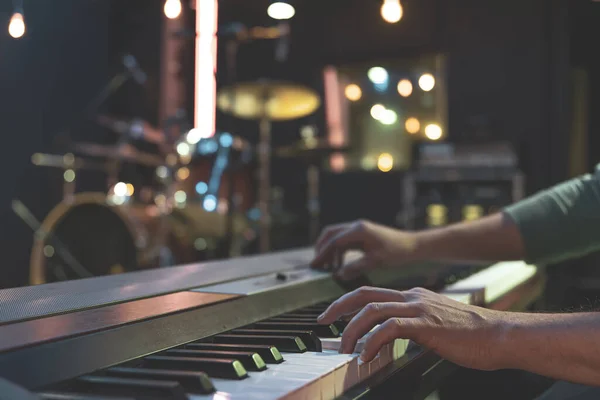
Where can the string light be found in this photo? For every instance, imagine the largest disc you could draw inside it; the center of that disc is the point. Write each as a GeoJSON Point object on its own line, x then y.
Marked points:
{"type": "Point", "coordinates": [172, 9]}
{"type": "Point", "coordinates": [391, 11]}
{"type": "Point", "coordinates": [281, 10]}
{"type": "Point", "coordinates": [16, 26]}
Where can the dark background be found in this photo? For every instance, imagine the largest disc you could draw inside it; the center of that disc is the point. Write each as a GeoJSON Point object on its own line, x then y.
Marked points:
{"type": "Point", "coordinates": [509, 62]}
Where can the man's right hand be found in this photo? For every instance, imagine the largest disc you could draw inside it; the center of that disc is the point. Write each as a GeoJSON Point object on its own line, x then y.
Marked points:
{"type": "Point", "coordinates": [381, 246]}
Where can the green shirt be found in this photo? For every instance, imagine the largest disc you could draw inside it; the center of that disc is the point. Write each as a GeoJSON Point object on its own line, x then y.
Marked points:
{"type": "Point", "coordinates": [561, 222]}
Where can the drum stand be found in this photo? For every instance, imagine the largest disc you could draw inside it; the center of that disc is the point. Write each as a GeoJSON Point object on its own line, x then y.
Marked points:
{"type": "Point", "coordinates": [264, 179]}
{"type": "Point", "coordinates": [313, 202]}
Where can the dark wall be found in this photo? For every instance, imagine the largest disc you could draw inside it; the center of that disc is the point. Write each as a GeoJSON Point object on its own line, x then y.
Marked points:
{"type": "Point", "coordinates": [46, 79]}
{"type": "Point", "coordinates": [508, 64]}
{"type": "Point", "coordinates": [508, 68]}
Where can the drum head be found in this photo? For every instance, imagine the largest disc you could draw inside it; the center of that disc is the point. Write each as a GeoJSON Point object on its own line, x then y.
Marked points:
{"type": "Point", "coordinates": [93, 233]}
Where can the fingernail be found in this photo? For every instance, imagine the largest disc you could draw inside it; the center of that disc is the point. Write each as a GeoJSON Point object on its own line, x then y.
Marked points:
{"type": "Point", "coordinates": [362, 358]}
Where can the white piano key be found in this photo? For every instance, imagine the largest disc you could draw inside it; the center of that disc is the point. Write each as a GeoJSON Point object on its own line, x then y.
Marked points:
{"type": "Point", "coordinates": [325, 375]}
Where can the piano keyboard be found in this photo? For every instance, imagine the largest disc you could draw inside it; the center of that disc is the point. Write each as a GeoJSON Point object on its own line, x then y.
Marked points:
{"type": "Point", "coordinates": [283, 355]}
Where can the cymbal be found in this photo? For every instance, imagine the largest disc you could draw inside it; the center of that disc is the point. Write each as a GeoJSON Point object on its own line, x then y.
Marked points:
{"type": "Point", "coordinates": [124, 153]}
{"type": "Point", "coordinates": [273, 100]}
{"type": "Point", "coordinates": [311, 149]}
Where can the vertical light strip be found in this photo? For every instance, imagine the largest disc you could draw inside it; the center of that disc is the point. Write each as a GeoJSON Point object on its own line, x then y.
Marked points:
{"type": "Point", "coordinates": [337, 135]}
{"type": "Point", "coordinates": [205, 107]}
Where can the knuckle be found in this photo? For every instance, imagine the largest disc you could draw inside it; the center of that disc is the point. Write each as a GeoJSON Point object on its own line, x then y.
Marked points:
{"type": "Point", "coordinates": [365, 291]}
{"type": "Point", "coordinates": [372, 308]}
{"type": "Point", "coordinates": [392, 324]}
{"type": "Point", "coordinates": [362, 224]}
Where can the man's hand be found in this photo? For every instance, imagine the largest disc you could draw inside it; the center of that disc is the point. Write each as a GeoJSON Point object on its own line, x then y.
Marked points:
{"type": "Point", "coordinates": [469, 336]}
{"type": "Point", "coordinates": [381, 246]}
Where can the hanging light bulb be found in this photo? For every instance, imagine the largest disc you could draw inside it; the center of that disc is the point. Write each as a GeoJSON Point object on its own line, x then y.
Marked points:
{"type": "Point", "coordinates": [16, 27]}
{"type": "Point", "coordinates": [172, 9]}
{"type": "Point", "coordinates": [281, 10]}
{"type": "Point", "coordinates": [391, 11]}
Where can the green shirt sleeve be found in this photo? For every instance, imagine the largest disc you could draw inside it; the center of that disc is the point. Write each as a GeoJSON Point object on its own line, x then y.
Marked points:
{"type": "Point", "coordinates": [561, 222]}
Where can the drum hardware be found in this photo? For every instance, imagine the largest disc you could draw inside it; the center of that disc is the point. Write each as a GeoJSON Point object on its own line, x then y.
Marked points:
{"type": "Point", "coordinates": [267, 101]}
{"type": "Point", "coordinates": [311, 151]}
{"type": "Point", "coordinates": [54, 243]}
{"type": "Point", "coordinates": [104, 238]}
{"type": "Point", "coordinates": [70, 164]}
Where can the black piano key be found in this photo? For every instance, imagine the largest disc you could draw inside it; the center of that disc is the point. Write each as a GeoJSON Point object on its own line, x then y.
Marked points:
{"type": "Point", "coordinates": [340, 325]}
{"type": "Point", "coordinates": [324, 331]}
{"type": "Point", "coordinates": [310, 339]}
{"type": "Point", "coordinates": [299, 315]}
{"type": "Point", "coordinates": [250, 360]}
{"type": "Point", "coordinates": [291, 344]}
{"type": "Point", "coordinates": [192, 382]}
{"type": "Point", "coordinates": [137, 388]}
{"type": "Point", "coordinates": [270, 354]}
{"type": "Point", "coordinates": [73, 396]}
{"type": "Point", "coordinates": [214, 367]}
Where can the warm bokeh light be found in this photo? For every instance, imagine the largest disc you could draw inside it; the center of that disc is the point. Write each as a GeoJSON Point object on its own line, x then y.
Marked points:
{"type": "Point", "coordinates": [281, 10]}
{"type": "Point", "coordinates": [405, 88]}
{"type": "Point", "coordinates": [437, 215]}
{"type": "Point", "coordinates": [377, 111]}
{"type": "Point", "coordinates": [183, 149]}
{"type": "Point", "coordinates": [388, 117]}
{"type": "Point", "coordinates": [69, 175]}
{"type": "Point", "coordinates": [391, 11]}
{"type": "Point", "coordinates": [183, 173]}
{"type": "Point", "coordinates": [120, 189]}
{"type": "Point", "coordinates": [412, 125]}
{"type": "Point", "coordinates": [172, 9]}
{"type": "Point", "coordinates": [472, 212]}
{"type": "Point", "coordinates": [378, 75]}
{"type": "Point", "coordinates": [194, 136]}
{"type": "Point", "coordinates": [433, 132]}
{"type": "Point", "coordinates": [385, 162]}
{"type": "Point", "coordinates": [353, 92]}
{"type": "Point", "coordinates": [16, 27]}
{"type": "Point", "coordinates": [130, 189]}
{"type": "Point", "coordinates": [427, 82]}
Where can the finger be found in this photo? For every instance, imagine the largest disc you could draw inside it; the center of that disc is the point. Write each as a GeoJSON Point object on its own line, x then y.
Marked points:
{"type": "Point", "coordinates": [354, 269]}
{"type": "Point", "coordinates": [328, 233]}
{"type": "Point", "coordinates": [370, 316]}
{"type": "Point", "coordinates": [321, 260]}
{"type": "Point", "coordinates": [356, 300]}
{"type": "Point", "coordinates": [393, 328]}
{"type": "Point", "coordinates": [339, 243]}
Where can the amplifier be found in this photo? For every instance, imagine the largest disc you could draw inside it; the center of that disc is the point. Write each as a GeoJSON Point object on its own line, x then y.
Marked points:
{"type": "Point", "coordinates": [453, 183]}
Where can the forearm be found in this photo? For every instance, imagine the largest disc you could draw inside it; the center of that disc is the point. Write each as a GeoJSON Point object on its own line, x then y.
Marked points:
{"type": "Point", "coordinates": [492, 238]}
{"type": "Point", "coordinates": [560, 346]}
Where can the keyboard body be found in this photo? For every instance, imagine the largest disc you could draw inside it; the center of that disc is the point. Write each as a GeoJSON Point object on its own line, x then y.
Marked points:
{"type": "Point", "coordinates": [99, 336]}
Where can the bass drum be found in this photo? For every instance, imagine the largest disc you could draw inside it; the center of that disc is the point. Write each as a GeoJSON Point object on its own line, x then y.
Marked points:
{"type": "Point", "coordinates": [103, 238]}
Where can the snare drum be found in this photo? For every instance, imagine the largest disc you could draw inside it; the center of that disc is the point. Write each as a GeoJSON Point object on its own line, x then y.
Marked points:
{"type": "Point", "coordinates": [104, 238]}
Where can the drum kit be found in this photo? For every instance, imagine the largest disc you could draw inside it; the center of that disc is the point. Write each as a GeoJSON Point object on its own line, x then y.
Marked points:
{"type": "Point", "coordinates": [197, 204]}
